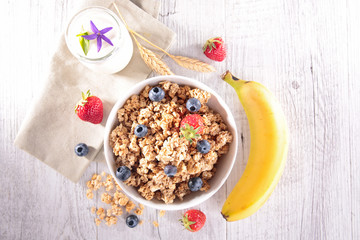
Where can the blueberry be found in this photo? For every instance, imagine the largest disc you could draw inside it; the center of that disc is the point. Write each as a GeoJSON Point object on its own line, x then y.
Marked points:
{"type": "Point", "coordinates": [195, 184]}
{"type": "Point", "coordinates": [193, 105]}
{"type": "Point", "coordinates": [81, 149]}
{"type": "Point", "coordinates": [123, 173]}
{"type": "Point", "coordinates": [203, 146]}
{"type": "Point", "coordinates": [132, 221]}
{"type": "Point", "coordinates": [140, 130]}
{"type": "Point", "coordinates": [170, 170]}
{"type": "Point", "coordinates": [156, 94]}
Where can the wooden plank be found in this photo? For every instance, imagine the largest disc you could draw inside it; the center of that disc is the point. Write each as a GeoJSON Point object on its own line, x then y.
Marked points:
{"type": "Point", "coordinates": [353, 96]}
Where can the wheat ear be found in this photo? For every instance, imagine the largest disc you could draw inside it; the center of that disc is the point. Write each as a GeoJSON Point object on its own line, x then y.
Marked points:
{"type": "Point", "coordinates": [192, 64]}
{"type": "Point", "coordinates": [189, 63]}
{"type": "Point", "coordinates": [154, 62]}
{"type": "Point", "coordinates": [149, 57]}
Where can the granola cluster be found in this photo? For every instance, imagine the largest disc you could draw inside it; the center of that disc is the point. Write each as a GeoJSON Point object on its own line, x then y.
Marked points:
{"type": "Point", "coordinates": [112, 196]}
{"type": "Point", "coordinates": [147, 156]}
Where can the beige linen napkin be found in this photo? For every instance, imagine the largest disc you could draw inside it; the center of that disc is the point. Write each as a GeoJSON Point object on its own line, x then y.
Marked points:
{"type": "Point", "coordinates": [51, 129]}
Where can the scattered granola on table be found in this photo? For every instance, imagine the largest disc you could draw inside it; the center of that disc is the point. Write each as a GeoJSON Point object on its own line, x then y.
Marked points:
{"type": "Point", "coordinates": [120, 198]}
{"type": "Point", "coordinates": [101, 213]}
{"type": "Point", "coordinates": [97, 221]}
{"type": "Point", "coordinates": [116, 210]}
{"type": "Point", "coordinates": [112, 197]}
{"type": "Point", "coordinates": [93, 209]}
{"type": "Point", "coordinates": [162, 213]}
{"type": "Point", "coordinates": [129, 206]}
{"type": "Point", "coordinates": [112, 220]}
{"type": "Point", "coordinates": [156, 224]}
{"type": "Point", "coordinates": [89, 194]}
{"type": "Point", "coordinates": [138, 211]}
{"type": "Point", "coordinates": [106, 198]}
{"type": "Point", "coordinates": [162, 141]}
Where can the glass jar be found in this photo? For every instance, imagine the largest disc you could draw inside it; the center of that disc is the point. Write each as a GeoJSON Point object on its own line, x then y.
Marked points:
{"type": "Point", "coordinates": [110, 59]}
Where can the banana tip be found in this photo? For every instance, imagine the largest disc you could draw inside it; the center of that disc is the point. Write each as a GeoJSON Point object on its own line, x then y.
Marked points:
{"type": "Point", "coordinates": [228, 77]}
{"type": "Point", "coordinates": [225, 216]}
{"type": "Point", "coordinates": [224, 74]}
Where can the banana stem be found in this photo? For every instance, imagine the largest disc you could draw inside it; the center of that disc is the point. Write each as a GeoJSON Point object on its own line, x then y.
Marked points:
{"type": "Point", "coordinates": [232, 80]}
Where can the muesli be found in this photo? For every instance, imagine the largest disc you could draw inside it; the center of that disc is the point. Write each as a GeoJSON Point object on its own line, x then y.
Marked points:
{"type": "Point", "coordinates": [168, 141]}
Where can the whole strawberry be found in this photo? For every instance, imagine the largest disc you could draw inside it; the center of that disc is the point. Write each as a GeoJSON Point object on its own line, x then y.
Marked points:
{"type": "Point", "coordinates": [191, 126]}
{"type": "Point", "coordinates": [193, 220]}
{"type": "Point", "coordinates": [214, 49]}
{"type": "Point", "coordinates": [89, 108]}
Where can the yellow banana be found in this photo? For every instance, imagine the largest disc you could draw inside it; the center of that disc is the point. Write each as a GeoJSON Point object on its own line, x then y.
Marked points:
{"type": "Point", "coordinates": [268, 149]}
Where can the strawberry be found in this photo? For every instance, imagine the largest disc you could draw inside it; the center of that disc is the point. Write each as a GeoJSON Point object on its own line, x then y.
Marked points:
{"type": "Point", "coordinates": [193, 220]}
{"type": "Point", "coordinates": [89, 108]}
{"type": "Point", "coordinates": [191, 126]}
{"type": "Point", "coordinates": [214, 49]}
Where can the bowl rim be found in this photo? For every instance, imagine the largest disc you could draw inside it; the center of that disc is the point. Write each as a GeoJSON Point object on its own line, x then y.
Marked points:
{"type": "Point", "coordinates": [109, 127]}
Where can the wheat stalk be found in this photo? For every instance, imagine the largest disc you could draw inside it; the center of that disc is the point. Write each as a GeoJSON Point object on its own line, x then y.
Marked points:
{"type": "Point", "coordinates": [189, 63]}
{"type": "Point", "coordinates": [154, 62]}
{"type": "Point", "coordinates": [192, 64]}
{"type": "Point", "coordinates": [149, 57]}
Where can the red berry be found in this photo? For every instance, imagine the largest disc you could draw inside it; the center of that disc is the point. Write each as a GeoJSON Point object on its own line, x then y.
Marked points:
{"type": "Point", "coordinates": [194, 120]}
{"type": "Point", "coordinates": [191, 126]}
{"type": "Point", "coordinates": [193, 220]}
{"type": "Point", "coordinates": [90, 108]}
{"type": "Point", "coordinates": [214, 49]}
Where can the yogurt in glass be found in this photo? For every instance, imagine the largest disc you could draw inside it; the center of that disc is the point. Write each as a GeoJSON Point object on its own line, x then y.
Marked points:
{"type": "Point", "coordinates": [110, 59]}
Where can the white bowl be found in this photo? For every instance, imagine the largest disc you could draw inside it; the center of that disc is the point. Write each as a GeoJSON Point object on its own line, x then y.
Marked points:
{"type": "Point", "coordinates": [223, 166]}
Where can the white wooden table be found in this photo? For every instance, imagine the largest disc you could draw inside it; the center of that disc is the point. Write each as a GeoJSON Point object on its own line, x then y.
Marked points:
{"type": "Point", "coordinates": [306, 52]}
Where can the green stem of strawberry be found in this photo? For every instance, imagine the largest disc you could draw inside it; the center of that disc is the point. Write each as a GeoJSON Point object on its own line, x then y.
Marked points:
{"type": "Point", "coordinates": [83, 101]}
{"type": "Point", "coordinates": [211, 44]}
{"type": "Point", "coordinates": [186, 222]}
{"type": "Point", "coordinates": [189, 132]}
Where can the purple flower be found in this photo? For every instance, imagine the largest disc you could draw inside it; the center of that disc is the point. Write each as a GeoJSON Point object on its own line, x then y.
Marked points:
{"type": "Point", "coordinates": [99, 35]}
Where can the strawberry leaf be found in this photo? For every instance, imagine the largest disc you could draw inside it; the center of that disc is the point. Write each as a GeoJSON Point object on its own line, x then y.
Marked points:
{"type": "Point", "coordinates": [211, 44]}
{"type": "Point", "coordinates": [189, 132]}
{"type": "Point", "coordinates": [83, 100]}
{"type": "Point", "coordinates": [186, 222]}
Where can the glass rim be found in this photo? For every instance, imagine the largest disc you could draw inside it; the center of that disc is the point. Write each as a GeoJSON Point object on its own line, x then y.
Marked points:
{"type": "Point", "coordinates": [115, 49]}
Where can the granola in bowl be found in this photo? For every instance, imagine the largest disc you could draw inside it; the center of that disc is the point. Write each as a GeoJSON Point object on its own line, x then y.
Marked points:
{"type": "Point", "coordinates": [163, 144]}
